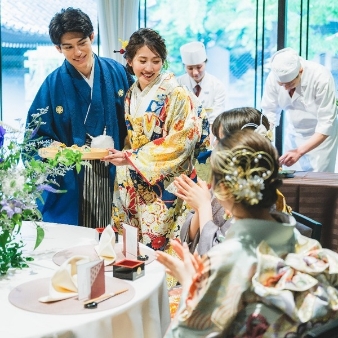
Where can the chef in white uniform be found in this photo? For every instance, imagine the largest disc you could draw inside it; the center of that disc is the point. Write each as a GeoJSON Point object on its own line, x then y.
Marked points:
{"type": "Point", "coordinates": [211, 91]}
{"type": "Point", "coordinates": [305, 91]}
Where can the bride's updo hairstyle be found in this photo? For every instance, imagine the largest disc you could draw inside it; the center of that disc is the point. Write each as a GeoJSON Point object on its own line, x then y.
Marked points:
{"type": "Point", "coordinates": [245, 167]}
{"type": "Point", "coordinates": [145, 37]}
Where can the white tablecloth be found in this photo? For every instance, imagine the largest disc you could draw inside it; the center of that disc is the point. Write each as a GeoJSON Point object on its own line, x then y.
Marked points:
{"type": "Point", "coordinates": [145, 316]}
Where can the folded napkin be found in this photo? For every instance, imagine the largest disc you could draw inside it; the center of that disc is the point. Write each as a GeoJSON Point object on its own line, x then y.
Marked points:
{"type": "Point", "coordinates": [63, 283]}
{"type": "Point", "coordinates": [105, 249]}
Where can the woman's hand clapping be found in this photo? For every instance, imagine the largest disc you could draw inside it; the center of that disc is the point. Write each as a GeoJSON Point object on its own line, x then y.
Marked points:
{"type": "Point", "coordinates": [184, 268]}
{"type": "Point", "coordinates": [196, 195]}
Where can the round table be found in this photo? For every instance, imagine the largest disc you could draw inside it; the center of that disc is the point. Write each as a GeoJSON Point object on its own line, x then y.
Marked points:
{"type": "Point", "coordinates": [146, 315]}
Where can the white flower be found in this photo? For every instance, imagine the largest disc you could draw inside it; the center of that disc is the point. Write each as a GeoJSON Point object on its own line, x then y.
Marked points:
{"type": "Point", "coordinates": [13, 182]}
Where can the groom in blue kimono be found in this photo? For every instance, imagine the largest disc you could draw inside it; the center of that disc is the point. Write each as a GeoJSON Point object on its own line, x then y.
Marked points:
{"type": "Point", "coordinates": [84, 96]}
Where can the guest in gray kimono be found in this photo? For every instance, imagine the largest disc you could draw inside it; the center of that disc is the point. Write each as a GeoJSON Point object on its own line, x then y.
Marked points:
{"type": "Point", "coordinates": [203, 230]}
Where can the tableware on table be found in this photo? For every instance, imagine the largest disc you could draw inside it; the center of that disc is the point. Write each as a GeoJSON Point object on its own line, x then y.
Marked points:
{"type": "Point", "coordinates": [90, 279]}
{"type": "Point", "coordinates": [287, 173]}
{"type": "Point", "coordinates": [105, 248]}
{"type": "Point", "coordinates": [25, 296]}
{"type": "Point", "coordinates": [128, 269]}
{"type": "Point", "coordinates": [63, 283]}
{"type": "Point", "coordinates": [89, 251]}
{"type": "Point", "coordinates": [130, 241]}
{"type": "Point", "coordinates": [100, 231]}
{"type": "Point", "coordinates": [92, 303]}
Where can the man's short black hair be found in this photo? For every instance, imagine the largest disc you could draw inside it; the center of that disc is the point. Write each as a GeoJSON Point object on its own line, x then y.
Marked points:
{"type": "Point", "coordinates": [69, 20]}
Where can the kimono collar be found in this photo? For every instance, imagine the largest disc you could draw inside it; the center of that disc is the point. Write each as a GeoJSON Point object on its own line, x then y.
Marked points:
{"type": "Point", "coordinates": [278, 235]}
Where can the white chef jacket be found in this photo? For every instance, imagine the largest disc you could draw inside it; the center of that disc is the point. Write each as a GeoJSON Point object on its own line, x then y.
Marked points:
{"type": "Point", "coordinates": [212, 95]}
{"type": "Point", "coordinates": [312, 108]}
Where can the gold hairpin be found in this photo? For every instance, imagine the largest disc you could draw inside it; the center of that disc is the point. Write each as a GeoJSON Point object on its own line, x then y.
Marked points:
{"type": "Point", "coordinates": [244, 175]}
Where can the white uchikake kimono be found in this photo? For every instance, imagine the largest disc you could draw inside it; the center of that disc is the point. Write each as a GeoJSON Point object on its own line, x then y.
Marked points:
{"type": "Point", "coordinates": [311, 109]}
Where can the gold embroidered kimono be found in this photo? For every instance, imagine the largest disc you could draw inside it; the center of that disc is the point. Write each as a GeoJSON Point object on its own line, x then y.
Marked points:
{"type": "Point", "coordinates": [162, 142]}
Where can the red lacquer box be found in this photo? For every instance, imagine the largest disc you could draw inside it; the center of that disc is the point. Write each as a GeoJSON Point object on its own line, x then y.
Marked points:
{"type": "Point", "coordinates": [128, 269]}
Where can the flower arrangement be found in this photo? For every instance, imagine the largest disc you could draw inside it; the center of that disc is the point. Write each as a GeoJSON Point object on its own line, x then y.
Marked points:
{"type": "Point", "coordinates": [24, 177]}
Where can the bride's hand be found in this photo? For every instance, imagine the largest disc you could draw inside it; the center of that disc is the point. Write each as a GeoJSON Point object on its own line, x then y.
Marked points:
{"type": "Point", "coordinates": [116, 157]}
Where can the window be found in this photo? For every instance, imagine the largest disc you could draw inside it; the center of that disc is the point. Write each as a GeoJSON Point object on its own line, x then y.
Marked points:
{"type": "Point", "coordinates": [237, 36]}
{"type": "Point", "coordinates": [27, 54]}
{"type": "Point", "coordinates": [241, 36]}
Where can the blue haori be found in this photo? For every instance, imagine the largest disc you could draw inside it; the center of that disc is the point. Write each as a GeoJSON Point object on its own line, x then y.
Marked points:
{"type": "Point", "coordinates": [68, 98]}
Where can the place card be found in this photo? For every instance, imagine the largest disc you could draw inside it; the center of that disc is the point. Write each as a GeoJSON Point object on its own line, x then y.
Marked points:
{"type": "Point", "coordinates": [90, 280]}
{"type": "Point", "coordinates": [130, 241]}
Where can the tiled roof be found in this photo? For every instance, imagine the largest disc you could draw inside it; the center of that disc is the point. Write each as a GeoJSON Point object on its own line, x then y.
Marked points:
{"type": "Point", "coordinates": [29, 19]}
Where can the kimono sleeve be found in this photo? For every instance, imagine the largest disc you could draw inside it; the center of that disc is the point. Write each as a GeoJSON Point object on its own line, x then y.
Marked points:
{"type": "Point", "coordinates": [172, 154]}
{"type": "Point", "coordinates": [213, 299]}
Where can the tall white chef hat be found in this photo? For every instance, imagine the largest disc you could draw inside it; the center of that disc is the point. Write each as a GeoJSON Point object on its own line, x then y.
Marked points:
{"type": "Point", "coordinates": [193, 53]}
{"type": "Point", "coordinates": [285, 64]}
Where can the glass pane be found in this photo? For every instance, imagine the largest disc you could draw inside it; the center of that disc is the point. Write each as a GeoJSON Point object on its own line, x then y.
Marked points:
{"type": "Point", "coordinates": [228, 30]}
{"type": "Point", "coordinates": [319, 42]}
{"type": "Point", "coordinates": [27, 55]}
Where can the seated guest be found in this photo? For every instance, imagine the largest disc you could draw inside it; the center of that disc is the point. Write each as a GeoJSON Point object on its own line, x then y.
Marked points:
{"type": "Point", "coordinates": [208, 223]}
{"type": "Point", "coordinates": [265, 275]}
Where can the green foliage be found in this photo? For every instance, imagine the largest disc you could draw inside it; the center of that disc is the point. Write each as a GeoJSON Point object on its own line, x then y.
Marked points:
{"type": "Point", "coordinates": [232, 25]}
{"type": "Point", "coordinates": [11, 252]}
{"type": "Point", "coordinates": [40, 234]}
{"type": "Point", "coordinates": [23, 183]}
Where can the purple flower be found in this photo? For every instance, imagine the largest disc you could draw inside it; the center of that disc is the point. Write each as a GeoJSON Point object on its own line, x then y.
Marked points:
{"type": "Point", "coordinates": [46, 187]}
{"type": "Point", "coordinates": [35, 129]}
{"type": "Point", "coordinates": [12, 207]}
{"type": "Point", "coordinates": [9, 210]}
{"type": "Point", "coordinates": [2, 135]}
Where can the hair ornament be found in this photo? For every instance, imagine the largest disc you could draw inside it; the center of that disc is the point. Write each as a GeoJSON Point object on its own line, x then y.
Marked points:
{"type": "Point", "coordinates": [245, 172]}
{"type": "Point", "coordinates": [165, 65]}
{"type": "Point", "coordinates": [261, 129]}
{"type": "Point", "coordinates": [124, 45]}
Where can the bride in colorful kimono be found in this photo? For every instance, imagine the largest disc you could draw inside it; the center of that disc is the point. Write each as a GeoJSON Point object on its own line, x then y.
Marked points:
{"type": "Point", "coordinates": [167, 127]}
{"type": "Point", "coordinates": [265, 279]}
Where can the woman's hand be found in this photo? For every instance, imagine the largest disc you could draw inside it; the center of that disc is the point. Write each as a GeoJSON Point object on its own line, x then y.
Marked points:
{"type": "Point", "coordinates": [196, 195]}
{"type": "Point", "coordinates": [116, 157]}
{"type": "Point", "coordinates": [185, 268]}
